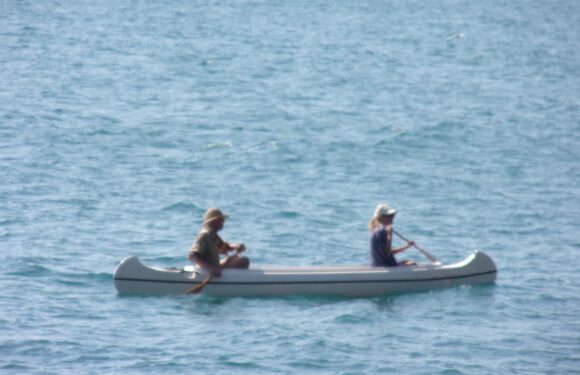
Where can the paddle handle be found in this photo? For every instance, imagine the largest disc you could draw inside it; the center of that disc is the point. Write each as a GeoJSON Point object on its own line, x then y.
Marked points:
{"type": "Point", "coordinates": [198, 288]}
{"type": "Point", "coordinates": [427, 254]}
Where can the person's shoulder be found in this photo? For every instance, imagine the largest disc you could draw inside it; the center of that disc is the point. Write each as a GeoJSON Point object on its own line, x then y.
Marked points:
{"type": "Point", "coordinates": [203, 235]}
{"type": "Point", "coordinates": [378, 228]}
{"type": "Point", "coordinates": [379, 232]}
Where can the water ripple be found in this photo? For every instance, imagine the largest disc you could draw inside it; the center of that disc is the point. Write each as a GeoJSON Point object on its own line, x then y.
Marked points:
{"type": "Point", "coordinates": [121, 123]}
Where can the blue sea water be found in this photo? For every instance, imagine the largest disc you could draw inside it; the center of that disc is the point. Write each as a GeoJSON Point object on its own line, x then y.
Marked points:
{"type": "Point", "coordinates": [122, 121]}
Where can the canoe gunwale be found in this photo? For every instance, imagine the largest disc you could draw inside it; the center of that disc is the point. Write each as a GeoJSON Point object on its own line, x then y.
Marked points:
{"type": "Point", "coordinates": [308, 281]}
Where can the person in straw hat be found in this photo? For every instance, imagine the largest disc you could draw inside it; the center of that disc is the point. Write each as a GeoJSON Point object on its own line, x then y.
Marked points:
{"type": "Point", "coordinates": [381, 253]}
{"type": "Point", "coordinates": [208, 246]}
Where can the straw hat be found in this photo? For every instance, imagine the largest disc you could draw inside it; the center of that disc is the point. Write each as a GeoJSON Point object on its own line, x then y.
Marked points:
{"type": "Point", "coordinates": [213, 214]}
{"type": "Point", "coordinates": [384, 209]}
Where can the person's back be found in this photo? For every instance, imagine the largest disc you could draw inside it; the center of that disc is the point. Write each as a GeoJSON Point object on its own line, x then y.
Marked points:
{"type": "Point", "coordinates": [207, 247]}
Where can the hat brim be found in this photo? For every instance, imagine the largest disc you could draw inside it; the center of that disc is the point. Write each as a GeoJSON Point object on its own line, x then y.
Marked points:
{"type": "Point", "coordinates": [224, 217]}
{"type": "Point", "coordinates": [390, 213]}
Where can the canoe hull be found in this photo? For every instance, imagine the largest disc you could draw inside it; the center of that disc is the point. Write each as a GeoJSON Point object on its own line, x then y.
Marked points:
{"type": "Point", "coordinates": [132, 277]}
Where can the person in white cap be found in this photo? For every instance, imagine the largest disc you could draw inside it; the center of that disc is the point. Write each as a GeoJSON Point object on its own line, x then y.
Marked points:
{"type": "Point", "coordinates": [381, 253]}
{"type": "Point", "coordinates": [208, 246]}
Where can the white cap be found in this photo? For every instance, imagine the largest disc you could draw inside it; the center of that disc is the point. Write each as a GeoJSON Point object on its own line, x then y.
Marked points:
{"type": "Point", "coordinates": [384, 209]}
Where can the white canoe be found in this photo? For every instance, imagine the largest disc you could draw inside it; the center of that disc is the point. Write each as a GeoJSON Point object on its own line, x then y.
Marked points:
{"type": "Point", "coordinates": [132, 277]}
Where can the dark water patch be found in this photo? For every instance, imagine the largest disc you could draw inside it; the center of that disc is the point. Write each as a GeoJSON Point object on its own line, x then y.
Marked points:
{"type": "Point", "coordinates": [351, 319]}
{"type": "Point", "coordinates": [85, 278]}
{"type": "Point", "coordinates": [7, 223]}
{"type": "Point", "coordinates": [239, 364]}
{"type": "Point", "coordinates": [18, 366]}
{"type": "Point", "coordinates": [104, 132]}
{"type": "Point", "coordinates": [185, 207]}
{"type": "Point", "coordinates": [72, 283]}
{"type": "Point", "coordinates": [30, 270]}
{"type": "Point", "coordinates": [80, 203]}
{"type": "Point", "coordinates": [287, 214]}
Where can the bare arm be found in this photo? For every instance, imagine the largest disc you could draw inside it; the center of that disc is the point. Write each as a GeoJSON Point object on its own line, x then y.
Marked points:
{"type": "Point", "coordinates": [398, 249]}
{"type": "Point", "coordinates": [403, 248]}
{"type": "Point", "coordinates": [239, 247]}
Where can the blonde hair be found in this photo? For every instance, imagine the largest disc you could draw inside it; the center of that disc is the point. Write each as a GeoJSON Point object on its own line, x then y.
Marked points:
{"type": "Point", "coordinates": [373, 224]}
{"type": "Point", "coordinates": [375, 221]}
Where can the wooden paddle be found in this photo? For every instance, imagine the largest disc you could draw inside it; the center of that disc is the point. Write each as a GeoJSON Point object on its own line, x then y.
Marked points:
{"type": "Point", "coordinates": [429, 256]}
{"type": "Point", "coordinates": [197, 289]}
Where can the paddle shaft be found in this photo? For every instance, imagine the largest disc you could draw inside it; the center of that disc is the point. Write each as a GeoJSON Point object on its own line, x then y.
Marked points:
{"type": "Point", "coordinates": [429, 256]}
{"type": "Point", "coordinates": [198, 288]}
